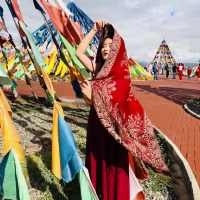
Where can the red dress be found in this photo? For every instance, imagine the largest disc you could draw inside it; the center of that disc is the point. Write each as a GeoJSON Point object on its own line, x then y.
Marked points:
{"type": "Point", "coordinates": [107, 162]}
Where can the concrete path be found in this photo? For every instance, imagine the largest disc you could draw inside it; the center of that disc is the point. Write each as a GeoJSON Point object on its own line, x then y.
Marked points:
{"type": "Point", "coordinates": [162, 100]}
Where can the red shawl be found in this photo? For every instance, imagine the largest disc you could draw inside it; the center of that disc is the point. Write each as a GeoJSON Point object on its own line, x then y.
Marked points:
{"type": "Point", "coordinates": [120, 112]}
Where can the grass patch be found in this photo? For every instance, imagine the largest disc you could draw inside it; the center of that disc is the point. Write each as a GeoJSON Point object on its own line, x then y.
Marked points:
{"type": "Point", "coordinates": [159, 181]}
{"type": "Point", "coordinates": [30, 110]}
{"type": "Point", "coordinates": [38, 174]}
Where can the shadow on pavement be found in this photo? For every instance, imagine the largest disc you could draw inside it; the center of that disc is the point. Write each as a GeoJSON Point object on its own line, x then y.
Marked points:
{"type": "Point", "coordinates": [176, 95]}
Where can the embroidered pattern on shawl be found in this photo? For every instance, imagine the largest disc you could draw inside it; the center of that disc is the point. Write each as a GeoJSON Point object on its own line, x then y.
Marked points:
{"type": "Point", "coordinates": [120, 112]}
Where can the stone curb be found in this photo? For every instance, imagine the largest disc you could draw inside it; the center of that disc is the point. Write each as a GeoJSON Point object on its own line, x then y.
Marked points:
{"type": "Point", "coordinates": [190, 180]}
{"type": "Point", "coordinates": [185, 107]}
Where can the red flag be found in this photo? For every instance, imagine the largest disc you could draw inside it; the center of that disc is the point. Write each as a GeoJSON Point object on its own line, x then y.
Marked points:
{"type": "Point", "coordinates": [1, 26]}
{"type": "Point", "coordinates": [62, 23]}
{"type": "Point", "coordinates": [17, 10]}
{"type": "Point", "coordinates": [19, 16]}
{"type": "Point", "coordinates": [2, 40]}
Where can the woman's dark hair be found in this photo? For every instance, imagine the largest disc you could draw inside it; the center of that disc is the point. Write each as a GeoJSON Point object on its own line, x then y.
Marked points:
{"type": "Point", "coordinates": [107, 32]}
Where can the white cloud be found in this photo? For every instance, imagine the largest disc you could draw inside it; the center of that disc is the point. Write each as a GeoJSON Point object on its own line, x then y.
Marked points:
{"type": "Point", "coordinates": [142, 24]}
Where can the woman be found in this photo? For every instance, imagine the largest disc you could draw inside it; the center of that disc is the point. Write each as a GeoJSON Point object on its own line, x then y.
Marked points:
{"type": "Point", "coordinates": [180, 70]}
{"type": "Point", "coordinates": [119, 131]}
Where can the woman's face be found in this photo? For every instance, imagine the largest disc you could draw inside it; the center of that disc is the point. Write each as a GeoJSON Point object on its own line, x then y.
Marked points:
{"type": "Point", "coordinates": [106, 48]}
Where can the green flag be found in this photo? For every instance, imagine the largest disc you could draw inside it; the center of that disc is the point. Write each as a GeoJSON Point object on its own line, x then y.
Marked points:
{"type": "Point", "coordinates": [71, 51]}
{"type": "Point", "coordinates": [5, 56]}
{"type": "Point", "coordinates": [73, 57]}
{"type": "Point", "coordinates": [18, 54]}
{"type": "Point", "coordinates": [36, 52]}
{"type": "Point", "coordinates": [87, 190]}
{"type": "Point", "coordinates": [4, 78]}
{"type": "Point", "coordinates": [20, 72]}
{"type": "Point", "coordinates": [12, 181]}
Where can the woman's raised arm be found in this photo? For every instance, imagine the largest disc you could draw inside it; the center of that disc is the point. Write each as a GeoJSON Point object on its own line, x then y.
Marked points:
{"type": "Point", "coordinates": [80, 51]}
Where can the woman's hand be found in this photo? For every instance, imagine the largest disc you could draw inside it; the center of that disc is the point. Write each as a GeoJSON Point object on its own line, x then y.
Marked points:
{"type": "Point", "coordinates": [98, 25]}
{"type": "Point", "coordinates": [87, 89]}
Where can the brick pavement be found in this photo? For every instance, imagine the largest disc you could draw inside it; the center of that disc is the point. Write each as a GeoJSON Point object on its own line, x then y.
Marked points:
{"type": "Point", "coordinates": [162, 100]}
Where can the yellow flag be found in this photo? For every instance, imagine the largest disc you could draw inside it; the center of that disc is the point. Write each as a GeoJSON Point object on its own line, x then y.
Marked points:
{"type": "Point", "coordinates": [56, 160]}
{"type": "Point", "coordinates": [5, 102]}
{"type": "Point", "coordinates": [10, 137]}
{"type": "Point", "coordinates": [42, 48]}
{"type": "Point", "coordinates": [51, 64]}
{"type": "Point", "coordinates": [64, 68]}
{"type": "Point", "coordinates": [25, 68]}
{"type": "Point", "coordinates": [47, 82]}
{"type": "Point", "coordinates": [59, 67]}
{"type": "Point", "coordinates": [11, 75]}
{"type": "Point", "coordinates": [10, 63]}
{"type": "Point", "coordinates": [46, 60]}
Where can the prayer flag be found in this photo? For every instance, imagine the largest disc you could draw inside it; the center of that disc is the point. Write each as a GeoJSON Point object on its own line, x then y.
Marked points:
{"type": "Point", "coordinates": [38, 7]}
{"type": "Point", "coordinates": [10, 137]}
{"type": "Point", "coordinates": [71, 51]}
{"type": "Point", "coordinates": [58, 20]}
{"type": "Point", "coordinates": [11, 9]}
{"type": "Point", "coordinates": [12, 181]}
{"type": "Point", "coordinates": [59, 67]}
{"type": "Point", "coordinates": [17, 10]}
{"type": "Point", "coordinates": [16, 13]}
{"type": "Point", "coordinates": [64, 68]}
{"type": "Point", "coordinates": [51, 64]}
{"type": "Point", "coordinates": [74, 76]}
{"type": "Point", "coordinates": [62, 23]}
{"type": "Point", "coordinates": [34, 48]}
{"type": "Point", "coordinates": [5, 56]}
{"type": "Point", "coordinates": [10, 63]}
{"type": "Point", "coordinates": [19, 55]}
{"type": "Point", "coordinates": [71, 162]}
{"type": "Point", "coordinates": [62, 6]}
{"type": "Point", "coordinates": [1, 12]}
{"type": "Point", "coordinates": [4, 78]}
{"type": "Point", "coordinates": [87, 190]}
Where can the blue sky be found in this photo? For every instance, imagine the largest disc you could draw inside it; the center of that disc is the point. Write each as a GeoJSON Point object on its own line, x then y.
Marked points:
{"type": "Point", "coordinates": [142, 24]}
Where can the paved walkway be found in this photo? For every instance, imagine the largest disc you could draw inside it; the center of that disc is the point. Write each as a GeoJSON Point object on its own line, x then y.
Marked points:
{"type": "Point", "coordinates": [162, 100]}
